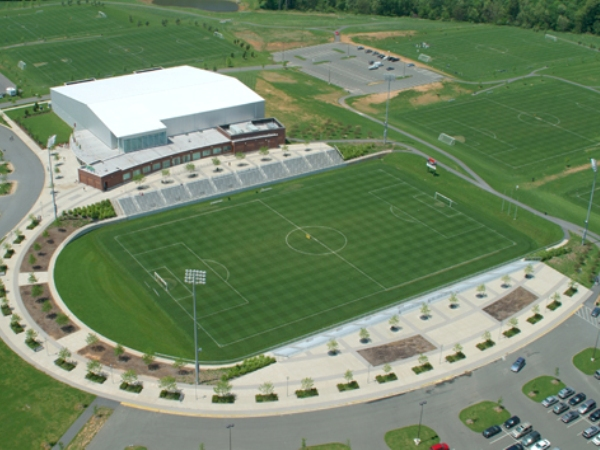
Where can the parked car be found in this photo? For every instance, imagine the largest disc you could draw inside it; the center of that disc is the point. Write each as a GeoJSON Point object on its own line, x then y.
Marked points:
{"type": "Point", "coordinates": [516, 446]}
{"type": "Point", "coordinates": [587, 406]}
{"type": "Point", "coordinates": [512, 422]}
{"type": "Point", "coordinates": [368, 50]}
{"type": "Point", "coordinates": [360, 47]}
{"type": "Point", "coordinates": [411, 65]}
{"type": "Point", "coordinates": [594, 416]}
{"type": "Point", "coordinates": [521, 430]}
{"type": "Point", "coordinates": [595, 312]}
{"type": "Point", "coordinates": [531, 438]}
{"type": "Point", "coordinates": [590, 432]}
{"type": "Point", "coordinates": [440, 446]}
{"type": "Point", "coordinates": [541, 445]}
{"type": "Point", "coordinates": [560, 408]}
{"type": "Point", "coordinates": [491, 431]}
{"type": "Point", "coordinates": [566, 392]}
{"type": "Point", "coordinates": [596, 440]}
{"type": "Point", "coordinates": [549, 401]}
{"type": "Point", "coordinates": [518, 365]}
{"type": "Point", "coordinates": [389, 68]}
{"type": "Point", "coordinates": [597, 374]}
{"type": "Point", "coordinates": [570, 416]}
{"type": "Point", "coordinates": [577, 399]}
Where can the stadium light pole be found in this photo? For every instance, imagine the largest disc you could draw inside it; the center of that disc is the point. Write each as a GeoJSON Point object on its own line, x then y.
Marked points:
{"type": "Point", "coordinates": [389, 79]}
{"type": "Point", "coordinates": [194, 277]}
{"type": "Point", "coordinates": [418, 438]}
{"type": "Point", "coordinates": [587, 219]}
{"type": "Point", "coordinates": [229, 427]}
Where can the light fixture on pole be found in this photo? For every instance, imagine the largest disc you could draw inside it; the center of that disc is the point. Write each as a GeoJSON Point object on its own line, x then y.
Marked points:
{"type": "Point", "coordinates": [587, 219]}
{"type": "Point", "coordinates": [596, 344]}
{"type": "Point", "coordinates": [51, 142]}
{"type": "Point", "coordinates": [229, 427]}
{"type": "Point", "coordinates": [195, 277]}
{"type": "Point", "coordinates": [389, 79]}
{"type": "Point", "coordinates": [418, 438]}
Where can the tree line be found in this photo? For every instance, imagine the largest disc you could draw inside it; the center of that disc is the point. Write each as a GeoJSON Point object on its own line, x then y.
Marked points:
{"type": "Point", "coordinates": [578, 16]}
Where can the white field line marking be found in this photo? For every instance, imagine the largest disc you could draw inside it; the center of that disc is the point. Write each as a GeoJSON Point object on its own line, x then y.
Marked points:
{"type": "Point", "coordinates": [333, 252]}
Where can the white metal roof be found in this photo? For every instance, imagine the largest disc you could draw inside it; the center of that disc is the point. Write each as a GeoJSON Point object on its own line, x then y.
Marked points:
{"type": "Point", "coordinates": [135, 104]}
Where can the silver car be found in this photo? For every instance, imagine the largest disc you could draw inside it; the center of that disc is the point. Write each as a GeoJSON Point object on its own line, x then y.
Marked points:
{"type": "Point", "coordinates": [549, 401]}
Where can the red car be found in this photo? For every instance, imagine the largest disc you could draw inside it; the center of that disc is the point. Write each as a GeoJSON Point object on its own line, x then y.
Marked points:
{"type": "Point", "coordinates": [440, 446]}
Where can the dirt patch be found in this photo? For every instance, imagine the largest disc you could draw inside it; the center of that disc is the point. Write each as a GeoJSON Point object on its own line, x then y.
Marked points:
{"type": "Point", "coordinates": [331, 98]}
{"type": "Point", "coordinates": [46, 320]}
{"type": "Point", "coordinates": [377, 35]}
{"type": "Point", "coordinates": [276, 77]}
{"type": "Point", "coordinates": [40, 64]}
{"type": "Point", "coordinates": [510, 304]}
{"type": "Point", "coordinates": [394, 351]}
{"type": "Point", "coordinates": [428, 99]}
{"type": "Point", "coordinates": [460, 139]}
{"type": "Point", "coordinates": [90, 429]}
{"type": "Point", "coordinates": [278, 102]}
{"type": "Point", "coordinates": [557, 176]}
{"type": "Point", "coordinates": [251, 38]}
{"type": "Point", "coordinates": [364, 103]}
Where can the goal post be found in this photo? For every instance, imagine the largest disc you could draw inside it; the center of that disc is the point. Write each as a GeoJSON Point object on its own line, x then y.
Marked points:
{"type": "Point", "coordinates": [160, 280]}
{"type": "Point", "coordinates": [425, 58]}
{"type": "Point", "coordinates": [551, 37]}
{"type": "Point", "coordinates": [446, 139]}
{"type": "Point", "coordinates": [443, 199]}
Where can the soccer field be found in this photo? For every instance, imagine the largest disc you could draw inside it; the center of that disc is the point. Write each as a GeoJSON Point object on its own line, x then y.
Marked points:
{"type": "Point", "coordinates": [283, 263]}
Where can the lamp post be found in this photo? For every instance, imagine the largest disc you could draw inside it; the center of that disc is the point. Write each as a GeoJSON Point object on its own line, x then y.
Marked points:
{"type": "Point", "coordinates": [418, 438]}
{"type": "Point", "coordinates": [389, 79]}
{"type": "Point", "coordinates": [587, 219]}
{"type": "Point", "coordinates": [194, 277]}
{"type": "Point", "coordinates": [596, 345]}
{"type": "Point", "coordinates": [329, 76]}
{"type": "Point", "coordinates": [287, 386]}
{"type": "Point", "coordinates": [229, 427]}
{"type": "Point", "coordinates": [51, 141]}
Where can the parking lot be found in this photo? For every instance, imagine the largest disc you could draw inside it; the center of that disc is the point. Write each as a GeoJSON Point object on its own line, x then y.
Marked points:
{"type": "Point", "coordinates": [346, 66]}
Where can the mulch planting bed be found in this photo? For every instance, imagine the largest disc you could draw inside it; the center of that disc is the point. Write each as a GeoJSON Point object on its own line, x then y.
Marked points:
{"type": "Point", "coordinates": [45, 320]}
{"type": "Point", "coordinates": [510, 304]}
{"type": "Point", "coordinates": [405, 348]}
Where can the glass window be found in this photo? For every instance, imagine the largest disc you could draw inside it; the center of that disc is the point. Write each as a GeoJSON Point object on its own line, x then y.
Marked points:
{"type": "Point", "coordinates": [176, 161]}
{"type": "Point", "coordinates": [216, 150]}
{"type": "Point", "coordinates": [136, 172]}
{"type": "Point", "coordinates": [126, 175]}
{"type": "Point", "coordinates": [227, 148]}
{"type": "Point", "coordinates": [186, 158]}
{"type": "Point", "coordinates": [146, 169]}
{"type": "Point", "coordinates": [156, 166]}
{"type": "Point", "coordinates": [205, 153]}
{"type": "Point", "coordinates": [196, 156]}
{"type": "Point", "coordinates": [166, 164]}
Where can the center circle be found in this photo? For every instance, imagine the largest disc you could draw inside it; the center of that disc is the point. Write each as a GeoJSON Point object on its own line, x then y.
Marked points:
{"type": "Point", "coordinates": [316, 240]}
{"type": "Point", "coordinates": [539, 119]}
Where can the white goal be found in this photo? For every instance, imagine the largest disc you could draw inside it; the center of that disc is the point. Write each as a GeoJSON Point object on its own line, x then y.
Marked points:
{"type": "Point", "coordinates": [442, 198]}
{"type": "Point", "coordinates": [446, 139]}
{"type": "Point", "coordinates": [160, 280]}
{"type": "Point", "coordinates": [551, 37]}
{"type": "Point", "coordinates": [425, 58]}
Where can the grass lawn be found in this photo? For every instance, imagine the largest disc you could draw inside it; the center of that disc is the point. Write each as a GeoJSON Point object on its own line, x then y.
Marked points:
{"type": "Point", "coordinates": [403, 438]}
{"type": "Point", "coordinates": [348, 269]}
{"type": "Point", "coordinates": [542, 387]}
{"type": "Point", "coordinates": [41, 126]}
{"type": "Point", "coordinates": [332, 446]}
{"type": "Point", "coordinates": [40, 408]}
{"type": "Point", "coordinates": [483, 416]}
{"type": "Point", "coordinates": [583, 361]}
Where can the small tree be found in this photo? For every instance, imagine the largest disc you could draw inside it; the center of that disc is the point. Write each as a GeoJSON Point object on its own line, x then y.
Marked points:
{"type": "Point", "coordinates": [267, 388]}
{"type": "Point", "coordinates": [535, 310]}
{"type": "Point", "coordinates": [119, 351]}
{"type": "Point", "coordinates": [500, 402]}
{"type": "Point", "coordinates": [513, 322]}
{"type": "Point", "coordinates": [148, 358]}
{"type": "Point", "coordinates": [178, 364]}
{"type": "Point", "coordinates": [216, 162]}
{"type": "Point", "coordinates": [223, 387]}
{"type": "Point", "coordinates": [36, 290]}
{"type": "Point", "coordinates": [481, 290]}
{"type": "Point", "coordinates": [425, 310]}
{"type": "Point", "coordinates": [573, 285]}
{"type": "Point", "coordinates": [64, 354]}
{"type": "Point", "coordinates": [506, 280]}
{"type": "Point", "coordinates": [348, 376]}
{"type": "Point", "coordinates": [129, 376]}
{"type": "Point", "coordinates": [30, 334]}
{"type": "Point", "coordinates": [387, 368]}
{"type": "Point", "coordinates": [528, 270]}
{"type": "Point", "coordinates": [62, 319]}
{"type": "Point", "coordinates": [487, 336]}
{"type": "Point", "coordinates": [453, 300]}
{"type": "Point", "coordinates": [285, 149]}
{"type": "Point", "coordinates": [45, 234]}
{"type": "Point", "coordinates": [333, 346]}
{"type": "Point", "coordinates": [165, 173]}
{"type": "Point", "coordinates": [240, 155]}
{"type": "Point", "coordinates": [32, 259]}
{"type": "Point", "coordinates": [91, 340]}
{"type": "Point", "coordinates": [15, 319]}
{"type": "Point", "coordinates": [46, 307]}
{"type": "Point", "coordinates": [139, 179]}
{"type": "Point", "coordinates": [556, 297]}
{"type": "Point", "coordinates": [364, 335]}
{"type": "Point", "coordinates": [168, 384]}
{"type": "Point", "coordinates": [423, 359]}
{"type": "Point", "coordinates": [190, 167]}
{"type": "Point", "coordinates": [32, 279]}
{"type": "Point", "coordinates": [94, 367]}
{"type": "Point", "coordinates": [264, 151]}
{"type": "Point", "coordinates": [37, 247]}
{"type": "Point", "coordinates": [394, 322]}
{"type": "Point", "coordinates": [458, 348]}
{"type": "Point", "coordinates": [307, 383]}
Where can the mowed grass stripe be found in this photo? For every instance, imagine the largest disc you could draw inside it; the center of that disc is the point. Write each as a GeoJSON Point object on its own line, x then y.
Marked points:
{"type": "Point", "coordinates": [272, 291]}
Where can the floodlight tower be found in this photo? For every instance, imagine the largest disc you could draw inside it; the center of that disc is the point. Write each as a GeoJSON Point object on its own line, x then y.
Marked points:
{"type": "Point", "coordinates": [389, 79]}
{"type": "Point", "coordinates": [587, 219]}
{"type": "Point", "coordinates": [194, 277]}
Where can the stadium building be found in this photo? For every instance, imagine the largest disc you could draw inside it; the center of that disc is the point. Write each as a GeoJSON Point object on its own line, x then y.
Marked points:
{"type": "Point", "coordinates": [134, 125]}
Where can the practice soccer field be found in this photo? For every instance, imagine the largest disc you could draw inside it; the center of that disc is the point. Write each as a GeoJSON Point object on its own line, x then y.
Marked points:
{"type": "Point", "coordinates": [283, 263]}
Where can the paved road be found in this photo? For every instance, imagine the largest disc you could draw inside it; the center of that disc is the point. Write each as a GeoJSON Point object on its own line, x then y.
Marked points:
{"type": "Point", "coordinates": [365, 424]}
{"type": "Point", "coordinates": [29, 176]}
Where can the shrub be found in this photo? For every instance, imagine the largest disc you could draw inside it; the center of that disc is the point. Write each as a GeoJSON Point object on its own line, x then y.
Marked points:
{"type": "Point", "coordinates": [249, 365]}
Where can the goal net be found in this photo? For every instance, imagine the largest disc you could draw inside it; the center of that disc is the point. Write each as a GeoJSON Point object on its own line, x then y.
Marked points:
{"type": "Point", "coordinates": [160, 280]}
{"type": "Point", "coordinates": [442, 198]}
{"type": "Point", "coordinates": [446, 139]}
{"type": "Point", "coordinates": [425, 58]}
{"type": "Point", "coordinates": [551, 37]}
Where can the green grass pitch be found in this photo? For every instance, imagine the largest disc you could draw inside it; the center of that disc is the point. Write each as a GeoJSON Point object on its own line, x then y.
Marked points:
{"type": "Point", "coordinates": [284, 263]}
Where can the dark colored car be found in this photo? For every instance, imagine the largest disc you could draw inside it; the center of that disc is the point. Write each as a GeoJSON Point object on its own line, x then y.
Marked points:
{"type": "Point", "coordinates": [491, 431]}
{"type": "Point", "coordinates": [531, 439]}
{"type": "Point", "coordinates": [570, 416]}
{"type": "Point", "coordinates": [595, 312]}
{"type": "Point", "coordinates": [411, 65]}
{"type": "Point", "coordinates": [360, 47]}
{"type": "Point", "coordinates": [594, 416]}
{"type": "Point", "coordinates": [516, 446]}
{"type": "Point", "coordinates": [560, 408]}
{"type": "Point", "coordinates": [390, 68]}
{"type": "Point", "coordinates": [518, 365]}
{"type": "Point", "coordinates": [566, 392]}
{"type": "Point", "coordinates": [368, 50]}
{"type": "Point", "coordinates": [590, 432]}
{"type": "Point", "coordinates": [577, 399]}
{"type": "Point", "coordinates": [513, 421]}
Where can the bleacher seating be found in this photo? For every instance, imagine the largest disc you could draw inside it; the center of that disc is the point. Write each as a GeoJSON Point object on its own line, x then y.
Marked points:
{"type": "Point", "coordinates": [296, 166]}
{"type": "Point", "coordinates": [150, 200]}
{"type": "Point", "coordinates": [175, 194]}
{"type": "Point", "coordinates": [129, 206]}
{"type": "Point", "coordinates": [274, 171]}
{"type": "Point", "coordinates": [200, 188]}
{"type": "Point", "coordinates": [226, 183]}
{"type": "Point", "coordinates": [251, 177]}
{"type": "Point", "coordinates": [335, 156]}
{"type": "Point", "coordinates": [318, 160]}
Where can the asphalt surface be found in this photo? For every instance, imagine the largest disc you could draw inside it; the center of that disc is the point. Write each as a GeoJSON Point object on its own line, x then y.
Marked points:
{"type": "Point", "coordinates": [365, 425]}
{"type": "Point", "coordinates": [29, 175]}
